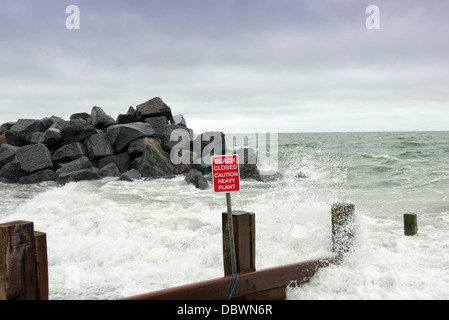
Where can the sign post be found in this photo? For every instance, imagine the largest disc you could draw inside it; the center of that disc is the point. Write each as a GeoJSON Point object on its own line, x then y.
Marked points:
{"type": "Point", "coordinates": [225, 173]}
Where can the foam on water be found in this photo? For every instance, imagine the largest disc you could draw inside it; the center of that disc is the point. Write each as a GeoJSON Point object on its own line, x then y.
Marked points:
{"type": "Point", "coordinates": [110, 239]}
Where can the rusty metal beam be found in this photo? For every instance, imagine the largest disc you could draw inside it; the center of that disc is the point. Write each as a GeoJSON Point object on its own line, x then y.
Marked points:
{"type": "Point", "coordinates": [248, 285]}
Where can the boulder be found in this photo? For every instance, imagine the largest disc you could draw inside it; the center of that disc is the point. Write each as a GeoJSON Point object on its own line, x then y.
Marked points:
{"type": "Point", "coordinates": [98, 146]}
{"type": "Point", "coordinates": [6, 126]}
{"type": "Point", "coordinates": [36, 137]}
{"type": "Point", "coordinates": [130, 175]}
{"type": "Point", "coordinates": [121, 135]}
{"type": "Point", "coordinates": [122, 161]}
{"type": "Point", "coordinates": [12, 172]}
{"type": "Point", "coordinates": [137, 146]}
{"type": "Point", "coordinates": [55, 122]}
{"type": "Point", "coordinates": [110, 170]}
{"type": "Point", "coordinates": [158, 124]}
{"type": "Point", "coordinates": [153, 108]}
{"type": "Point", "coordinates": [40, 176]}
{"type": "Point", "coordinates": [52, 138]}
{"type": "Point", "coordinates": [178, 120]}
{"type": "Point", "coordinates": [23, 129]}
{"type": "Point", "coordinates": [176, 135]}
{"type": "Point", "coordinates": [80, 175]}
{"type": "Point", "coordinates": [77, 132]}
{"type": "Point", "coordinates": [12, 138]}
{"type": "Point", "coordinates": [209, 144]}
{"type": "Point", "coordinates": [75, 165]}
{"type": "Point", "coordinates": [155, 162]}
{"type": "Point", "coordinates": [3, 139]}
{"type": "Point", "coordinates": [268, 176]}
{"type": "Point", "coordinates": [34, 157]}
{"type": "Point", "coordinates": [129, 117]}
{"type": "Point", "coordinates": [69, 152]}
{"type": "Point", "coordinates": [197, 179]}
{"type": "Point", "coordinates": [248, 163]}
{"type": "Point", "coordinates": [99, 119]}
{"type": "Point", "coordinates": [7, 153]}
{"type": "Point", "coordinates": [80, 115]}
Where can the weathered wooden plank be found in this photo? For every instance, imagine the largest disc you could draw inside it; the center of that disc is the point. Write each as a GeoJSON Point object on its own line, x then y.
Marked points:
{"type": "Point", "coordinates": [244, 239]}
{"type": "Point", "coordinates": [41, 265]}
{"type": "Point", "coordinates": [17, 261]}
{"type": "Point", "coordinates": [247, 284]}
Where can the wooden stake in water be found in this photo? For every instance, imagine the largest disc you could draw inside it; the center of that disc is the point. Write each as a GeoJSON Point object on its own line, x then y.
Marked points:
{"type": "Point", "coordinates": [231, 234]}
{"type": "Point", "coordinates": [410, 224]}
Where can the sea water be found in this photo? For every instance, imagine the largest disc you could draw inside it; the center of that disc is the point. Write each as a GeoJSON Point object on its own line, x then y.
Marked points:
{"type": "Point", "coordinates": [111, 239]}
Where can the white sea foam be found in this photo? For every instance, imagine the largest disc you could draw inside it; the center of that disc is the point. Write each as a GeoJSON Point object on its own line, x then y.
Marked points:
{"type": "Point", "coordinates": [110, 239]}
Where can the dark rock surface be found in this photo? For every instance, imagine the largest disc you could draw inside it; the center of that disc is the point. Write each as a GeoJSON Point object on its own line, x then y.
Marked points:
{"type": "Point", "coordinates": [146, 142]}
{"type": "Point", "coordinates": [153, 108]}
{"type": "Point", "coordinates": [34, 157]}
{"type": "Point", "coordinates": [197, 179]}
{"type": "Point", "coordinates": [121, 135]}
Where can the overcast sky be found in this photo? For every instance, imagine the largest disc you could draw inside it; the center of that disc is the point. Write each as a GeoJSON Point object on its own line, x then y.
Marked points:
{"type": "Point", "coordinates": [287, 65]}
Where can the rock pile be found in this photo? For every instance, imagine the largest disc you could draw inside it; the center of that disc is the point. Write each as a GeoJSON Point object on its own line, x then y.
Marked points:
{"type": "Point", "coordinates": [146, 142]}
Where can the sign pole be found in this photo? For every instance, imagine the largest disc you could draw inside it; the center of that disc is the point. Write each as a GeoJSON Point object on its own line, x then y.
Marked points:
{"type": "Point", "coordinates": [231, 234]}
{"type": "Point", "coordinates": [226, 178]}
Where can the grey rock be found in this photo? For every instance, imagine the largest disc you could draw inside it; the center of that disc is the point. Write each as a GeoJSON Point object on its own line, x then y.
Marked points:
{"type": "Point", "coordinates": [12, 138]}
{"type": "Point", "coordinates": [178, 120]}
{"type": "Point", "coordinates": [155, 162]}
{"type": "Point", "coordinates": [158, 124]}
{"type": "Point", "coordinates": [248, 163]}
{"type": "Point", "coordinates": [7, 153]}
{"type": "Point", "coordinates": [69, 152]}
{"type": "Point", "coordinates": [34, 157]}
{"type": "Point", "coordinates": [77, 132]}
{"type": "Point", "coordinates": [176, 135]}
{"type": "Point", "coordinates": [197, 179]}
{"type": "Point", "coordinates": [98, 146]}
{"type": "Point", "coordinates": [110, 170]}
{"type": "Point", "coordinates": [129, 117]}
{"type": "Point", "coordinates": [80, 115]}
{"type": "Point", "coordinates": [268, 176]}
{"type": "Point", "coordinates": [153, 108]}
{"type": "Point", "coordinates": [40, 176]}
{"type": "Point", "coordinates": [121, 135]}
{"type": "Point", "coordinates": [12, 172]}
{"type": "Point", "coordinates": [122, 161]}
{"type": "Point", "coordinates": [130, 175]}
{"type": "Point", "coordinates": [6, 126]}
{"type": "Point", "coordinates": [36, 137]}
{"type": "Point", "coordinates": [137, 146]}
{"type": "Point", "coordinates": [209, 144]}
{"type": "Point", "coordinates": [55, 122]}
{"type": "Point", "coordinates": [75, 165]}
{"type": "Point", "coordinates": [99, 119]}
{"type": "Point", "coordinates": [52, 138]}
{"type": "Point", "coordinates": [80, 175]}
{"type": "Point", "coordinates": [24, 129]}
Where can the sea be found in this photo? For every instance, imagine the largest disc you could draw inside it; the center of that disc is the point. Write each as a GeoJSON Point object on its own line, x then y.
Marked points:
{"type": "Point", "coordinates": [112, 239]}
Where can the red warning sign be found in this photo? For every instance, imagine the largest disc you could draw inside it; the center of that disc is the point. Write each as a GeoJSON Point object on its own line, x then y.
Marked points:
{"type": "Point", "coordinates": [225, 173]}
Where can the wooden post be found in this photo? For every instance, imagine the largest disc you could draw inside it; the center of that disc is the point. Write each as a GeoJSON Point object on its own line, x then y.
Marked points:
{"type": "Point", "coordinates": [343, 227]}
{"type": "Point", "coordinates": [244, 240]}
{"type": "Point", "coordinates": [17, 261]}
{"type": "Point", "coordinates": [410, 224]}
{"type": "Point", "coordinates": [40, 239]}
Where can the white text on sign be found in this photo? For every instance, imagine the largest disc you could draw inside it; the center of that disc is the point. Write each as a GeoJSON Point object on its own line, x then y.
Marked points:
{"type": "Point", "coordinates": [225, 173]}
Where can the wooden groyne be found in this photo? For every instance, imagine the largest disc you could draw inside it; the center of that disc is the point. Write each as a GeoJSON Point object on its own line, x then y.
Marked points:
{"type": "Point", "coordinates": [24, 266]}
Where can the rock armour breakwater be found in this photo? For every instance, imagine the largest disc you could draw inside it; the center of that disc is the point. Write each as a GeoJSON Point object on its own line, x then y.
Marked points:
{"type": "Point", "coordinates": [138, 144]}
